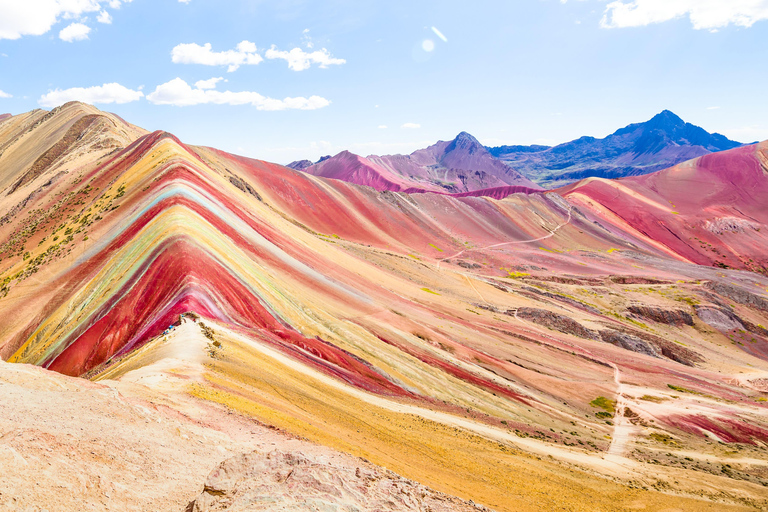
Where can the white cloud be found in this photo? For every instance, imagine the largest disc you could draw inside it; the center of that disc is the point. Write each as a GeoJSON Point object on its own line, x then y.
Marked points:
{"type": "Point", "coordinates": [74, 32]}
{"type": "Point", "coordinates": [104, 17]}
{"type": "Point", "coordinates": [107, 93]}
{"type": "Point", "coordinates": [410, 126]}
{"type": "Point", "coordinates": [208, 84]}
{"type": "Point", "coordinates": [704, 14]}
{"type": "Point", "coordinates": [184, 1]}
{"type": "Point", "coordinates": [713, 108]}
{"type": "Point", "coordinates": [382, 127]}
{"type": "Point", "coordinates": [179, 93]}
{"type": "Point", "coordinates": [307, 39]}
{"type": "Point", "coordinates": [192, 53]}
{"type": "Point", "coordinates": [36, 17]}
{"type": "Point", "coordinates": [5, 95]}
{"type": "Point", "coordinates": [299, 60]}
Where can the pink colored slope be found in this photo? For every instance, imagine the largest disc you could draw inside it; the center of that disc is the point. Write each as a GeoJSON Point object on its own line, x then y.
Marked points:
{"type": "Point", "coordinates": [359, 170]}
{"type": "Point", "coordinates": [707, 210]}
{"type": "Point", "coordinates": [356, 169]}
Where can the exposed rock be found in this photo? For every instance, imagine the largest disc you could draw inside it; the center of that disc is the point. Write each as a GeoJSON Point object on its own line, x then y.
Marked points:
{"type": "Point", "coordinates": [723, 319]}
{"type": "Point", "coordinates": [636, 280]}
{"type": "Point", "coordinates": [678, 353]}
{"type": "Point", "coordinates": [557, 322]}
{"type": "Point", "coordinates": [468, 265]}
{"type": "Point", "coordinates": [730, 224]}
{"type": "Point", "coordinates": [739, 295]}
{"type": "Point", "coordinates": [244, 186]}
{"type": "Point", "coordinates": [668, 349]}
{"type": "Point", "coordinates": [289, 481]}
{"type": "Point", "coordinates": [717, 318]}
{"type": "Point", "coordinates": [629, 342]}
{"type": "Point", "coordinates": [675, 317]}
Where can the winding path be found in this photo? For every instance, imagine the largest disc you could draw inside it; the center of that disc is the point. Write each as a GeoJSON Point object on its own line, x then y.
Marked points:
{"type": "Point", "coordinates": [551, 234]}
{"type": "Point", "coordinates": [622, 428]}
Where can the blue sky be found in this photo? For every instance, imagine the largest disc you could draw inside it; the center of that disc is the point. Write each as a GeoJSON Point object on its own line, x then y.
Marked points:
{"type": "Point", "coordinates": [300, 79]}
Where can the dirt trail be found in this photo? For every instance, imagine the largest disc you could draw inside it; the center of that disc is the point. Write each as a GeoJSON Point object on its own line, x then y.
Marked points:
{"type": "Point", "coordinates": [622, 428]}
{"type": "Point", "coordinates": [550, 235]}
{"type": "Point", "coordinates": [616, 466]}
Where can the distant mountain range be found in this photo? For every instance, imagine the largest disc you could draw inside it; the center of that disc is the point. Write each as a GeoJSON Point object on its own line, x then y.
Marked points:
{"type": "Point", "coordinates": [663, 141]}
{"type": "Point", "coordinates": [464, 165]}
{"type": "Point", "coordinates": [455, 166]}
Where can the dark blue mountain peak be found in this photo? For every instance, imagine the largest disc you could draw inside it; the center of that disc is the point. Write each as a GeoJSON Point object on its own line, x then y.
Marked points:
{"type": "Point", "coordinates": [665, 119]}
{"type": "Point", "coordinates": [639, 148]}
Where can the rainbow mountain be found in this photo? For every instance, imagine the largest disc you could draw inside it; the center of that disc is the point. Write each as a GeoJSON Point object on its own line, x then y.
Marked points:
{"type": "Point", "coordinates": [523, 349]}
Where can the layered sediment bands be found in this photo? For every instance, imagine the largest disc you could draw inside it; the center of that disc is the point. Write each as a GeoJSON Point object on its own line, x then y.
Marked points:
{"type": "Point", "coordinates": [437, 335]}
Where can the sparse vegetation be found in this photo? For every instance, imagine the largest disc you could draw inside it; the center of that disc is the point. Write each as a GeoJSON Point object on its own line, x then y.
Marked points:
{"type": "Point", "coordinates": [662, 438]}
{"type": "Point", "coordinates": [682, 389]}
{"type": "Point", "coordinates": [606, 404]}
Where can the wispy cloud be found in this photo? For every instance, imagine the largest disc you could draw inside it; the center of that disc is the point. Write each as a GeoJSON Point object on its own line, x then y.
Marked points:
{"type": "Point", "coordinates": [299, 60]}
{"type": "Point", "coordinates": [107, 93]}
{"type": "Point", "coordinates": [410, 126]}
{"type": "Point", "coordinates": [5, 95]}
{"type": "Point", "coordinates": [704, 14]}
{"type": "Point", "coordinates": [179, 93]}
{"type": "Point", "coordinates": [246, 53]}
{"type": "Point", "coordinates": [713, 108]}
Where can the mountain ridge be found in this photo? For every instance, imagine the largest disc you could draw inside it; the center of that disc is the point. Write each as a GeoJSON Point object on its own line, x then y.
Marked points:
{"type": "Point", "coordinates": [639, 148]}
{"type": "Point", "coordinates": [456, 166]}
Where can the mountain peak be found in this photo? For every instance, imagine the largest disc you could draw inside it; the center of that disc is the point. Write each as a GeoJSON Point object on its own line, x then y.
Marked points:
{"type": "Point", "coordinates": [665, 119]}
{"type": "Point", "coordinates": [465, 138]}
{"type": "Point", "coordinates": [465, 142]}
